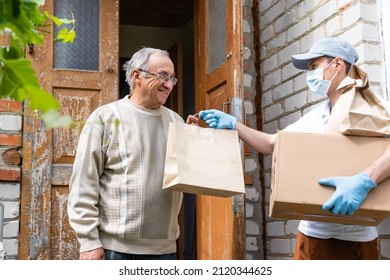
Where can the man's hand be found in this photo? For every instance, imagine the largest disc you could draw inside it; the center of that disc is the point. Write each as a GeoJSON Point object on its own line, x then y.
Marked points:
{"type": "Point", "coordinates": [218, 119]}
{"type": "Point", "coordinates": [96, 254]}
{"type": "Point", "coordinates": [192, 119]}
{"type": "Point", "coordinates": [350, 192]}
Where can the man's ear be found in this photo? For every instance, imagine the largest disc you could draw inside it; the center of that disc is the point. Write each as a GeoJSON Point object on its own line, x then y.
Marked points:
{"type": "Point", "coordinates": [136, 75]}
{"type": "Point", "coordinates": [339, 62]}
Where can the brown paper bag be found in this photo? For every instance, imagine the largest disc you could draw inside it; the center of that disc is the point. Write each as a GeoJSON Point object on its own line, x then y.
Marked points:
{"type": "Point", "coordinates": [203, 161]}
{"type": "Point", "coordinates": [359, 111]}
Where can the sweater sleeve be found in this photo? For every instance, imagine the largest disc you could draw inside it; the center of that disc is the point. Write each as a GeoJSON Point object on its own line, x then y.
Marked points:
{"type": "Point", "coordinates": [84, 186]}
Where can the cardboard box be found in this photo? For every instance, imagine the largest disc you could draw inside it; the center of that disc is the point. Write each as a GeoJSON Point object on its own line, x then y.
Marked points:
{"type": "Point", "coordinates": [300, 159]}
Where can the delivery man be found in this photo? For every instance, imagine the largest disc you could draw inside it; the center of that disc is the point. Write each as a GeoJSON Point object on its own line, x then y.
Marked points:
{"type": "Point", "coordinates": [328, 63]}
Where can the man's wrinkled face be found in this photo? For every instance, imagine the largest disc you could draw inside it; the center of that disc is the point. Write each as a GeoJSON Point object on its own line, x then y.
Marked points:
{"type": "Point", "coordinates": [155, 89]}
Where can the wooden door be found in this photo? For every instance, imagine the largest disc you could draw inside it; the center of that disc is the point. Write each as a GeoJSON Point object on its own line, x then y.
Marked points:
{"type": "Point", "coordinates": [218, 79]}
{"type": "Point", "coordinates": [48, 154]}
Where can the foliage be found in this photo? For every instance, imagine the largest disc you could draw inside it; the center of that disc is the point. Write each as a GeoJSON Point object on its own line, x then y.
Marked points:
{"type": "Point", "coordinates": [23, 23]}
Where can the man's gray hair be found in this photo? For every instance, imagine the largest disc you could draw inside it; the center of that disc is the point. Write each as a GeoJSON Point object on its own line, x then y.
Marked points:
{"type": "Point", "coordinates": [140, 60]}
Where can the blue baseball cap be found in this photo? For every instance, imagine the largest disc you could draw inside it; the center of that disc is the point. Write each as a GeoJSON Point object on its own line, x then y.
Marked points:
{"type": "Point", "coordinates": [333, 47]}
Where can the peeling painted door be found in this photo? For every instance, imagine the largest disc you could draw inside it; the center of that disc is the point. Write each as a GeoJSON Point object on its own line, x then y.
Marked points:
{"type": "Point", "coordinates": [217, 23]}
{"type": "Point", "coordinates": [82, 76]}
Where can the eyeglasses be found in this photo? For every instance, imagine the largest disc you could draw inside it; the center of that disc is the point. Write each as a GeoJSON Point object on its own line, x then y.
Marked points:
{"type": "Point", "coordinates": [162, 76]}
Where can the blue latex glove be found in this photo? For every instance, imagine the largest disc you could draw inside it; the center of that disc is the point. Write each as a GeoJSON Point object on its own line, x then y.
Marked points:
{"type": "Point", "coordinates": [350, 192]}
{"type": "Point", "coordinates": [218, 119]}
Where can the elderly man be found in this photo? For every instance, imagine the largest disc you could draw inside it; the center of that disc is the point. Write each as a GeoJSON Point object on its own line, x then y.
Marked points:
{"type": "Point", "coordinates": [116, 204]}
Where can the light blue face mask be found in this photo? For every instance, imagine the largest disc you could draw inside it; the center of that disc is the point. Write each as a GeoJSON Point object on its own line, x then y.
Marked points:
{"type": "Point", "coordinates": [316, 83]}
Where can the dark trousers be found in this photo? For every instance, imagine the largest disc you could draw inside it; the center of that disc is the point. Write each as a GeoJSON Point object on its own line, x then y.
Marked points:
{"type": "Point", "coordinates": [311, 248]}
{"type": "Point", "coordinates": [113, 255]}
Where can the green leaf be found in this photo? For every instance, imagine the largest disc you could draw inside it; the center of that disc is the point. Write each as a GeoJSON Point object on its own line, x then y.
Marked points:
{"type": "Point", "coordinates": [66, 36]}
{"type": "Point", "coordinates": [21, 72]}
{"type": "Point", "coordinates": [53, 119]}
{"type": "Point", "coordinates": [38, 99]}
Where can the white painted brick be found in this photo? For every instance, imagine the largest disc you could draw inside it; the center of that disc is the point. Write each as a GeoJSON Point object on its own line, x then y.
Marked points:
{"type": "Point", "coordinates": [273, 112]}
{"type": "Point", "coordinates": [270, 64]}
{"type": "Point", "coordinates": [290, 3]}
{"type": "Point", "coordinates": [361, 31]}
{"type": "Point", "coordinates": [250, 165]}
{"type": "Point", "coordinates": [333, 26]}
{"type": "Point", "coordinates": [284, 55]}
{"type": "Point", "coordinates": [295, 102]}
{"type": "Point", "coordinates": [263, 51]}
{"type": "Point", "coordinates": [267, 98]}
{"type": "Point", "coordinates": [385, 248]}
{"type": "Point", "coordinates": [384, 227]}
{"type": "Point", "coordinates": [293, 242]}
{"type": "Point", "coordinates": [267, 195]}
{"type": "Point", "coordinates": [298, 29]}
{"type": "Point", "coordinates": [289, 119]}
{"type": "Point", "coordinates": [373, 71]}
{"type": "Point", "coordinates": [11, 247]}
{"type": "Point", "coordinates": [249, 210]}
{"type": "Point", "coordinates": [280, 246]}
{"type": "Point", "coordinates": [376, 89]}
{"type": "Point", "coordinates": [277, 258]}
{"type": "Point", "coordinates": [272, 79]}
{"type": "Point", "coordinates": [311, 97]}
{"type": "Point", "coordinates": [327, 10]}
{"type": "Point", "coordinates": [306, 8]}
{"type": "Point", "coordinates": [271, 127]}
{"type": "Point", "coordinates": [252, 227]}
{"type": "Point", "coordinates": [299, 82]}
{"type": "Point", "coordinates": [278, 42]}
{"type": "Point", "coordinates": [246, 27]}
{"type": "Point", "coordinates": [9, 191]}
{"type": "Point", "coordinates": [267, 34]}
{"type": "Point", "coordinates": [11, 209]}
{"type": "Point", "coordinates": [274, 12]}
{"type": "Point", "coordinates": [11, 229]}
{"type": "Point", "coordinates": [248, 107]}
{"type": "Point", "coordinates": [282, 91]}
{"type": "Point", "coordinates": [292, 227]}
{"type": "Point", "coordinates": [267, 179]}
{"type": "Point", "coordinates": [247, 80]}
{"type": "Point", "coordinates": [312, 38]}
{"type": "Point", "coordinates": [275, 229]}
{"type": "Point", "coordinates": [285, 21]}
{"type": "Point", "coordinates": [289, 71]}
{"type": "Point", "coordinates": [251, 244]}
{"type": "Point", "coordinates": [351, 15]}
{"type": "Point", "coordinates": [369, 12]}
{"type": "Point", "coordinates": [10, 122]}
{"type": "Point", "coordinates": [369, 53]}
{"type": "Point", "coordinates": [247, 54]}
{"type": "Point", "coordinates": [252, 194]}
{"type": "Point", "coordinates": [265, 5]}
{"type": "Point", "coordinates": [267, 161]}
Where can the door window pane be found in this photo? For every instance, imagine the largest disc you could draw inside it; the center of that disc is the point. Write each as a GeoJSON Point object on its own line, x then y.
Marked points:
{"type": "Point", "coordinates": [83, 53]}
{"type": "Point", "coordinates": [216, 19]}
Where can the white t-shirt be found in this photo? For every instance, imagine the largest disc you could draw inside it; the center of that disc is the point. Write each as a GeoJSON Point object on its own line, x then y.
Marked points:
{"type": "Point", "coordinates": [315, 122]}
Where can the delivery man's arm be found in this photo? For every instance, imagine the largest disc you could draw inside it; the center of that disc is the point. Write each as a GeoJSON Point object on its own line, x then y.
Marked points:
{"type": "Point", "coordinates": [352, 190]}
{"type": "Point", "coordinates": [258, 140]}
{"type": "Point", "coordinates": [379, 170]}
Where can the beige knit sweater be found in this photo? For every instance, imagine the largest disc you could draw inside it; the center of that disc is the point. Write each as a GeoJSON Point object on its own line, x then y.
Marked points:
{"type": "Point", "coordinates": [116, 199]}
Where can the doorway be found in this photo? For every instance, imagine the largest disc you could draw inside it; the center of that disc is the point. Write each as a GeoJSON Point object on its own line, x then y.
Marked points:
{"type": "Point", "coordinates": [167, 25]}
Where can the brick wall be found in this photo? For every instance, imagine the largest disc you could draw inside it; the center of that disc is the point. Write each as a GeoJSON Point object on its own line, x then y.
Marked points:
{"type": "Point", "coordinates": [10, 171]}
{"type": "Point", "coordinates": [289, 27]}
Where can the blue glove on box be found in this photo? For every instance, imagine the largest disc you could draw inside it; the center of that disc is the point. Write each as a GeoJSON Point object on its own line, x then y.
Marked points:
{"type": "Point", "coordinates": [349, 194]}
{"type": "Point", "coordinates": [218, 119]}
